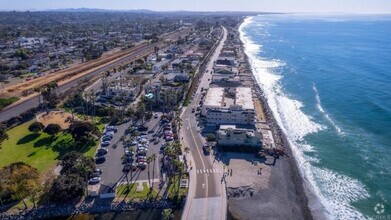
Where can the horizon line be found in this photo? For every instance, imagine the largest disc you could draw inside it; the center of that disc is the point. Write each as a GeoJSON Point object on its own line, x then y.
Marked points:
{"type": "Point", "coordinates": [179, 10]}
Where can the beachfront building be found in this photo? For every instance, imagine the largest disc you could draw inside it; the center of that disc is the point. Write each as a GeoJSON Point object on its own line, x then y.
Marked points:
{"type": "Point", "coordinates": [229, 106]}
{"type": "Point", "coordinates": [227, 61]}
{"type": "Point", "coordinates": [232, 136]}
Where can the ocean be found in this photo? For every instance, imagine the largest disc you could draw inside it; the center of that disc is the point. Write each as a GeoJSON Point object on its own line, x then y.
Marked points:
{"type": "Point", "coordinates": [327, 79]}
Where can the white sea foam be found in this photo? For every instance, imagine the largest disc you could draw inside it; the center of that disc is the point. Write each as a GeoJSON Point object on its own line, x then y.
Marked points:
{"type": "Point", "coordinates": [340, 191]}
{"type": "Point", "coordinates": [320, 108]}
{"type": "Point", "coordinates": [334, 191]}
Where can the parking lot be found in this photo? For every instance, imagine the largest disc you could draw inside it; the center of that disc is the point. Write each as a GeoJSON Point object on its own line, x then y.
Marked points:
{"type": "Point", "coordinates": [113, 165]}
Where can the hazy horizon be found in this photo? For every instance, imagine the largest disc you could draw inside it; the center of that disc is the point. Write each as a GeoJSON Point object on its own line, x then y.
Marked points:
{"type": "Point", "coordinates": [299, 6]}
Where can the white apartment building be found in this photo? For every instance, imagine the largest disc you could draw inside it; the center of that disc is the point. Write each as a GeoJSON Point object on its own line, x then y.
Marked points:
{"type": "Point", "coordinates": [229, 106]}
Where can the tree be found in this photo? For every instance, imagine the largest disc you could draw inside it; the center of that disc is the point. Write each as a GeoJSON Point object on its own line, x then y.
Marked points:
{"type": "Point", "coordinates": [167, 214]}
{"type": "Point", "coordinates": [67, 187]}
{"type": "Point", "coordinates": [36, 127]}
{"type": "Point", "coordinates": [3, 133]}
{"type": "Point", "coordinates": [49, 97]}
{"type": "Point", "coordinates": [82, 131]}
{"type": "Point", "coordinates": [75, 162]}
{"type": "Point", "coordinates": [210, 137]}
{"type": "Point", "coordinates": [149, 160]}
{"type": "Point", "coordinates": [70, 184]}
{"type": "Point", "coordinates": [19, 180]}
{"type": "Point", "coordinates": [52, 129]}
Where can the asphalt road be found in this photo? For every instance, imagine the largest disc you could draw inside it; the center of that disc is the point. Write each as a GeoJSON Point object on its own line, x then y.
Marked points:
{"type": "Point", "coordinates": [208, 177]}
{"type": "Point", "coordinates": [33, 102]}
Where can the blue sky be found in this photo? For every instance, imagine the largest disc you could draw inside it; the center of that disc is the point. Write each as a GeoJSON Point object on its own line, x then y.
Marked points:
{"type": "Point", "coordinates": [350, 6]}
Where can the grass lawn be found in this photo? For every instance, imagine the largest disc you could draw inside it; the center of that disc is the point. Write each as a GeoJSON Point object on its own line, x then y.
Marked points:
{"type": "Point", "coordinates": [129, 191]}
{"type": "Point", "coordinates": [39, 150]}
{"type": "Point", "coordinates": [8, 101]}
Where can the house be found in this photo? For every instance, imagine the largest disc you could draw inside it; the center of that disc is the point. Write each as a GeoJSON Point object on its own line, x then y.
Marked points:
{"type": "Point", "coordinates": [227, 61]}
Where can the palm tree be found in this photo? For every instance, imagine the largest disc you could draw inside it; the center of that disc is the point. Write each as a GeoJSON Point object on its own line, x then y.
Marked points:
{"type": "Point", "coordinates": [167, 214]}
{"type": "Point", "coordinates": [178, 120]}
{"type": "Point", "coordinates": [149, 160]}
{"type": "Point", "coordinates": [141, 110]}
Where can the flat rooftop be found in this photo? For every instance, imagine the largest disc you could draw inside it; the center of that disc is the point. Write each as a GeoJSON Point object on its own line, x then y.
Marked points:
{"type": "Point", "coordinates": [244, 97]}
{"type": "Point", "coordinates": [214, 97]}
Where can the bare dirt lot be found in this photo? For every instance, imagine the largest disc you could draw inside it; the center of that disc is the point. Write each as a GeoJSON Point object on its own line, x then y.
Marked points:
{"type": "Point", "coordinates": [55, 117]}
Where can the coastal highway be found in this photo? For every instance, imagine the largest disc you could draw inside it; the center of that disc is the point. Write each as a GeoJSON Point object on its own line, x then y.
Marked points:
{"type": "Point", "coordinates": [140, 51]}
{"type": "Point", "coordinates": [208, 201]}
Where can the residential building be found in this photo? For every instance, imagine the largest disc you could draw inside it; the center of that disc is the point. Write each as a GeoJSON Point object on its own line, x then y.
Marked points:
{"type": "Point", "coordinates": [166, 95]}
{"type": "Point", "coordinates": [229, 106]}
{"type": "Point", "coordinates": [232, 136]}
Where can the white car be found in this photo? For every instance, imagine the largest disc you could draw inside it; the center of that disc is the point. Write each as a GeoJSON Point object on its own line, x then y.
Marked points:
{"type": "Point", "coordinates": [112, 128]}
{"type": "Point", "coordinates": [94, 180]}
{"type": "Point", "coordinates": [128, 153]}
{"type": "Point", "coordinates": [142, 148]}
{"type": "Point", "coordinates": [108, 133]}
{"type": "Point", "coordinates": [167, 132]}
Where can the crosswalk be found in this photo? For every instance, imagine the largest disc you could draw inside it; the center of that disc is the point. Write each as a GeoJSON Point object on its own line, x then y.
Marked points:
{"type": "Point", "coordinates": [207, 171]}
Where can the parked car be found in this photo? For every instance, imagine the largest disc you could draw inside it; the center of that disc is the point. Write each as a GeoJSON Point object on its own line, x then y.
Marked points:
{"type": "Point", "coordinates": [94, 180]}
{"type": "Point", "coordinates": [111, 128]}
{"type": "Point", "coordinates": [141, 159]}
{"type": "Point", "coordinates": [109, 133]}
{"type": "Point", "coordinates": [141, 153]}
{"type": "Point", "coordinates": [106, 138]}
{"type": "Point", "coordinates": [127, 160]}
{"type": "Point", "coordinates": [97, 170]}
{"type": "Point", "coordinates": [100, 159]}
{"type": "Point", "coordinates": [144, 142]}
{"type": "Point", "coordinates": [133, 143]}
{"type": "Point", "coordinates": [143, 133]}
{"type": "Point", "coordinates": [130, 166]}
{"type": "Point", "coordinates": [168, 132]}
{"type": "Point", "coordinates": [142, 148]}
{"type": "Point", "coordinates": [94, 175]}
{"type": "Point", "coordinates": [102, 151]}
{"type": "Point", "coordinates": [128, 153]}
{"type": "Point", "coordinates": [104, 143]}
{"type": "Point", "coordinates": [142, 165]}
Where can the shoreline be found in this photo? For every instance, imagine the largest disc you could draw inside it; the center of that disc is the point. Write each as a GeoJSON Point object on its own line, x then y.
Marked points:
{"type": "Point", "coordinates": [285, 174]}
